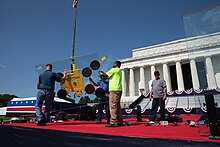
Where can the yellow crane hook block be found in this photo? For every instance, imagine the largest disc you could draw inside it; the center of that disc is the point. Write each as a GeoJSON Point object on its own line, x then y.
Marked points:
{"type": "Point", "coordinates": [73, 83]}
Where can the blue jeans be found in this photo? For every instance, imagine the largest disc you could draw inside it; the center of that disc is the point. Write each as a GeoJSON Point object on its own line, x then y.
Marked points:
{"type": "Point", "coordinates": [48, 97]}
{"type": "Point", "coordinates": [103, 103]}
{"type": "Point", "coordinates": [155, 104]}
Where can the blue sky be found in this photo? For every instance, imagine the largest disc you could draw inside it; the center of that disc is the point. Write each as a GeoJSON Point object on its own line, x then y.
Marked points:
{"type": "Point", "coordinates": [33, 32]}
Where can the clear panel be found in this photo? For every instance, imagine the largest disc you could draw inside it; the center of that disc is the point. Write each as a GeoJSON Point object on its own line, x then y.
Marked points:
{"type": "Point", "coordinates": [202, 29]}
{"type": "Point", "coordinates": [81, 63]}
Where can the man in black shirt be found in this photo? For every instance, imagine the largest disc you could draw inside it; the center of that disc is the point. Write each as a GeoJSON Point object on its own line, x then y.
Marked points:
{"type": "Point", "coordinates": [46, 85]}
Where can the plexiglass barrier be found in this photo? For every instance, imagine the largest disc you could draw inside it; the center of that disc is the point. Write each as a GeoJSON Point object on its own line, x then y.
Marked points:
{"type": "Point", "coordinates": [81, 63]}
{"type": "Point", "coordinates": [202, 29]}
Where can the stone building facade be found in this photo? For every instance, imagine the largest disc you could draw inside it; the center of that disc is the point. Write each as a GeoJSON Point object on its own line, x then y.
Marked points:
{"type": "Point", "coordinates": [190, 63]}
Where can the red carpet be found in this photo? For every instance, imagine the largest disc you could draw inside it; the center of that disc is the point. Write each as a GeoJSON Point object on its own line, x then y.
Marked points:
{"type": "Point", "coordinates": [181, 132]}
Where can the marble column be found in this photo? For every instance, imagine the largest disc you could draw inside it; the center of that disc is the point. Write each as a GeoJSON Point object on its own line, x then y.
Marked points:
{"type": "Point", "coordinates": [142, 78]}
{"type": "Point", "coordinates": [194, 73]}
{"type": "Point", "coordinates": [132, 83]}
{"type": "Point", "coordinates": [153, 69]}
{"type": "Point", "coordinates": [210, 73]}
{"type": "Point", "coordinates": [152, 72]}
{"type": "Point", "coordinates": [179, 74]}
{"type": "Point", "coordinates": [166, 75]}
{"type": "Point", "coordinates": [124, 84]}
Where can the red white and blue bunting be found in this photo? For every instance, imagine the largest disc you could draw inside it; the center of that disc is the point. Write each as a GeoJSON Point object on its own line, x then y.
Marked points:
{"type": "Point", "coordinates": [198, 91]}
{"type": "Point", "coordinates": [171, 109]}
{"type": "Point", "coordinates": [217, 89]}
{"type": "Point", "coordinates": [204, 109]}
{"type": "Point", "coordinates": [178, 92]}
{"type": "Point", "coordinates": [128, 111]}
{"type": "Point", "coordinates": [142, 111]}
{"type": "Point", "coordinates": [170, 93]}
{"type": "Point", "coordinates": [189, 91]}
{"type": "Point", "coordinates": [188, 109]}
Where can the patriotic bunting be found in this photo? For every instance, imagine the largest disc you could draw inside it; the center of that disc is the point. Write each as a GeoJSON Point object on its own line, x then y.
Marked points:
{"type": "Point", "coordinates": [171, 109]}
{"type": "Point", "coordinates": [188, 109]}
{"type": "Point", "coordinates": [128, 111]}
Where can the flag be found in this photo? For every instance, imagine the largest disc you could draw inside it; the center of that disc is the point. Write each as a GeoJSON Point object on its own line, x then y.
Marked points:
{"type": "Point", "coordinates": [75, 3]}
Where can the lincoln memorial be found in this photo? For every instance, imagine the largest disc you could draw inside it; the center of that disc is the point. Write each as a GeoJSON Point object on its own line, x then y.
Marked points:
{"type": "Point", "coordinates": [190, 63]}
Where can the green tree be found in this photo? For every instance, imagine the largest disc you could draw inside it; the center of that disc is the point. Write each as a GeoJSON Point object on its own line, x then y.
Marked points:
{"type": "Point", "coordinates": [4, 98]}
{"type": "Point", "coordinates": [95, 100]}
{"type": "Point", "coordinates": [84, 100]}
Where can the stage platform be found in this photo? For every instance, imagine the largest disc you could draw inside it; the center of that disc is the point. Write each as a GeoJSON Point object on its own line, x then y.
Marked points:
{"type": "Point", "coordinates": [137, 129]}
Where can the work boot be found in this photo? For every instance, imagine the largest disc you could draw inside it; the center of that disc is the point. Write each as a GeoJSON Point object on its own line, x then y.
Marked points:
{"type": "Point", "coordinates": [41, 123]}
{"type": "Point", "coordinates": [111, 125]}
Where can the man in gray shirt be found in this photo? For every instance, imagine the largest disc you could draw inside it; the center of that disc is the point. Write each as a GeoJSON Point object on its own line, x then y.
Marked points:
{"type": "Point", "coordinates": [158, 94]}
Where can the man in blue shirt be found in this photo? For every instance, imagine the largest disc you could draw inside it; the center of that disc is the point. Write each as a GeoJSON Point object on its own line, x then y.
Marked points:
{"type": "Point", "coordinates": [46, 86]}
{"type": "Point", "coordinates": [103, 100]}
